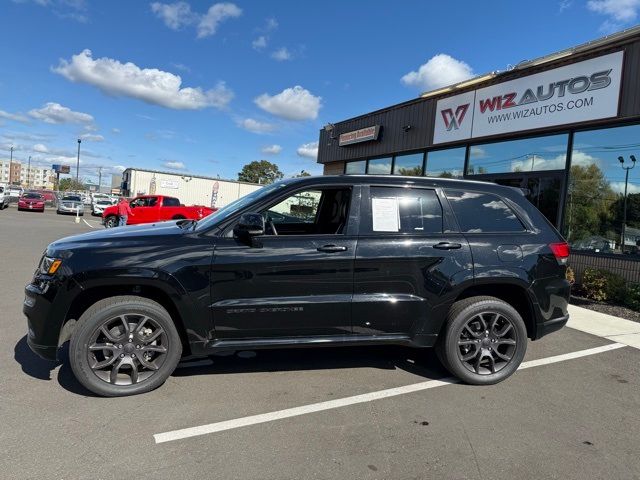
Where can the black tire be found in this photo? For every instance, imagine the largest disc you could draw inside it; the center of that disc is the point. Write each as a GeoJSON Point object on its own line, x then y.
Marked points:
{"type": "Point", "coordinates": [491, 357]}
{"type": "Point", "coordinates": [111, 221]}
{"type": "Point", "coordinates": [93, 328]}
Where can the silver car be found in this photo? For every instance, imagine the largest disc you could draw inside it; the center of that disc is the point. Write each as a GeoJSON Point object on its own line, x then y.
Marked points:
{"type": "Point", "coordinates": [71, 204]}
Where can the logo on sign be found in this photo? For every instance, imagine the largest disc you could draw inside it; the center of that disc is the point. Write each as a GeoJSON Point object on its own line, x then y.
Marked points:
{"type": "Point", "coordinates": [453, 120]}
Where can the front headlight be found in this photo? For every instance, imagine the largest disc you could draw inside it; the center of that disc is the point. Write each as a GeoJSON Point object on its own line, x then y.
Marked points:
{"type": "Point", "coordinates": [49, 265]}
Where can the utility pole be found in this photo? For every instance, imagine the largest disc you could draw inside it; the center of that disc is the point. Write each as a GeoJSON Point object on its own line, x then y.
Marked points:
{"type": "Point", "coordinates": [99, 179]}
{"type": "Point", "coordinates": [10, 164]}
{"type": "Point", "coordinates": [624, 208]}
{"type": "Point", "coordinates": [29, 173]}
{"type": "Point", "coordinates": [78, 163]}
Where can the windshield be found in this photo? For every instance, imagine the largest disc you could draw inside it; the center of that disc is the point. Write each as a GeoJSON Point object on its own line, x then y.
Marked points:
{"type": "Point", "coordinates": [228, 210]}
{"type": "Point", "coordinates": [31, 195]}
{"type": "Point", "coordinates": [71, 198]}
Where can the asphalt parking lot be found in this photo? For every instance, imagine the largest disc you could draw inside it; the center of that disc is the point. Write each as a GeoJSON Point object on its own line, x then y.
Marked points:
{"type": "Point", "coordinates": [365, 413]}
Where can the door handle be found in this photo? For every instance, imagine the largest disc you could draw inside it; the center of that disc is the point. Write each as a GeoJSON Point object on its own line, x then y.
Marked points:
{"type": "Point", "coordinates": [332, 248]}
{"type": "Point", "coordinates": [447, 246]}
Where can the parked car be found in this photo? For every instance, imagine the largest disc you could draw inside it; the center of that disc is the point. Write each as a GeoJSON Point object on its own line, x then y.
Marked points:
{"type": "Point", "coordinates": [155, 208]}
{"type": "Point", "coordinates": [98, 206]}
{"type": "Point", "coordinates": [31, 201]}
{"type": "Point", "coordinates": [470, 268]}
{"type": "Point", "coordinates": [4, 198]}
{"type": "Point", "coordinates": [70, 204]}
{"type": "Point", "coordinates": [15, 192]}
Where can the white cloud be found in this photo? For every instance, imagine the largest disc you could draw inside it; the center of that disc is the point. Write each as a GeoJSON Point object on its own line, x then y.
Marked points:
{"type": "Point", "coordinates": [618, 12]}
{"type": "Point", "coordinates": [281, 55]}
{"type": "Point", "coordinates": [439, 71]}
{"type": "Point", "coordinates": [115, 130]}
{"type": "Point", "coordinates": [55, 113]}
{"type": "Point", "coordinates": [217, 13]}
{"type": "Point", "coordinates": [40, 148]}
{"type": "Point", "coordinates": [147, 84]}
{"type": "Point", "coordinates": [259, 43]}
{"type": "Point", "coordinates": [271, 149]}
{"type": "Point", "coordinates": [91, 137]}
{"type": "Point", "coordinates": [271, 24]}
{"type": "Point", "coordinates": [309, 150]}
{"type": "Point", "coordinates": [174, 15]}
{"type": "Point", "coordinates": [256, 126]}
{"type": "Point", "coordinates": [618, 187]}
{"type": "Point", "coordinates": [16, 117]}
{"type": "Point", "coordinates": [294, 103]}
{"type": "Point", "coordinates": [175, 165]}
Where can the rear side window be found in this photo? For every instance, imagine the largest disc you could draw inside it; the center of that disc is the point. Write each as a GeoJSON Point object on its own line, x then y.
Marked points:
{"type": "Point", "coordinates": [404, 210]}
{"type": "Point", "coordinates": [171, 202]}
{"type": "Point", "coordinates": [481, 213]}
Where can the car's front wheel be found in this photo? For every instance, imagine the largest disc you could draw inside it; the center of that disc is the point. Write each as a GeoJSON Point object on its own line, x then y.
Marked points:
{"type": "Point", "coordinates": [483, 341]}
{"type": "Point", "coordinates": [124, 345]}
{"type": "Point", "coordinates": [111, 221]}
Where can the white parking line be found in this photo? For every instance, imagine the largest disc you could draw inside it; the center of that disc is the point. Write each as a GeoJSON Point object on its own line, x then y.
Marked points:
{"type": "Point", "coordinates": [343, 402]}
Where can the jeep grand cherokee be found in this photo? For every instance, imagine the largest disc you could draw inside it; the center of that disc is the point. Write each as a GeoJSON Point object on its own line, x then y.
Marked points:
{"type": "Point", "coordinates": [470, 268]}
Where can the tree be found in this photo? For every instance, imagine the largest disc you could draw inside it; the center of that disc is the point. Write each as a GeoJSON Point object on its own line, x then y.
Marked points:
{"type": "Point", "coordinates": [70, 184]}
{"type": "Point", "coordinates": [262, 172]}
{"type": "Point", "coordinates": [633, 210]}
{"type": "Point", "coordinates": [303, 173]}
{"type": "Point", "coordinates": [589, 203]}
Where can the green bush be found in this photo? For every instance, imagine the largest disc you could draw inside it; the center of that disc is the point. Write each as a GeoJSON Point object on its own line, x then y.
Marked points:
{"type": "Point", "coordinates": [602, 285]}
{"type": "Point", "coordinates": [632, 297]}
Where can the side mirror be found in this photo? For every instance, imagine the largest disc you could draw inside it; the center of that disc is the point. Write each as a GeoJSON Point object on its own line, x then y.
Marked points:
{"type": "Point", "coordinates": [249, 225]}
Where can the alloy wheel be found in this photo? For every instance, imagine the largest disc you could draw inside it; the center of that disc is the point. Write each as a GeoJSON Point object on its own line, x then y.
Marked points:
{"type": "Point", "coordinates": [127, 349]}
{"type": "Point", "coordinates": [487, 343]}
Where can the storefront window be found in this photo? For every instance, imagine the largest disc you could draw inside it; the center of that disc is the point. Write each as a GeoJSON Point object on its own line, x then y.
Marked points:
{"type": "Point", "coordinates": [379, 166]}
{"type": "Point", "coordinates": [445, 163]}
{"type": "Point", "coordinates": [595, 197]}
{"type": "Point", "coordinates": [525, 155]}
{"type": "Point", "coordinates": [356, 168]}
{"type": "Point", "coordinates": [408, 164]}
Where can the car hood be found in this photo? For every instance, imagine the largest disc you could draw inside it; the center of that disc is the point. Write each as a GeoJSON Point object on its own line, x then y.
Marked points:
{"type": "Point", "coordinates": [114, 237]}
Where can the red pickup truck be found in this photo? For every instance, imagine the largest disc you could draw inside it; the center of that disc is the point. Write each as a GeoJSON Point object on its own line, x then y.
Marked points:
{"type": "Point", "coordinates": [155, 208]}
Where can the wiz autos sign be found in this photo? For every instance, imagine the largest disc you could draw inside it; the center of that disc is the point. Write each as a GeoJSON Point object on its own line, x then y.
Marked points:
{"type": "Point", "coordinates": [583, 91]}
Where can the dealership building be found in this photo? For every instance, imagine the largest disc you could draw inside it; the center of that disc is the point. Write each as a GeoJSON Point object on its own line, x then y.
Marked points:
{"type": "Point", "coordinates": [564, 127]}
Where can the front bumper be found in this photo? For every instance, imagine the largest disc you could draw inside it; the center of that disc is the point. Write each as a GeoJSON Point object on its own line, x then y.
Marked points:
{"type": "Point", "coordinates": [70, 209]}
{"type": "Point", "coordinates": [44, 318]}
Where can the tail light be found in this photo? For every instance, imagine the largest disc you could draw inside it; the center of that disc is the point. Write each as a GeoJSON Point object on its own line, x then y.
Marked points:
{"type": "Point", "coordinates": [560, 251]}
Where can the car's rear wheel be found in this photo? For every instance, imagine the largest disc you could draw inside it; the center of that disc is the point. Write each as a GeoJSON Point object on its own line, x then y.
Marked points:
{"type": "Point", "coordinates": [484, 340]}
{"type": "Point", "coordinates": [111, 221]}
{"type": "Point", "coordinates": [124, 346]}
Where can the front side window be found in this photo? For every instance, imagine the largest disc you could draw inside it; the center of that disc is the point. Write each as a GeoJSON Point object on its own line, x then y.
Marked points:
{"type": "Point", "coordinates": [310, 212]}
{"type": "Point", "coordinates": [482, 213]}
{"type": "Point", "coordinates": [404, 210]}
{"type": "Point", "coordinates": [524, 155]}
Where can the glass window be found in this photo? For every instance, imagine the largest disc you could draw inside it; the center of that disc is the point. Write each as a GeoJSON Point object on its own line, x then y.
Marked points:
{"type": "Point", "coordinates": [171, 202]}
{"type": "Point", "coordinates": [594, 211]}
{"type": "Point", "coordinates": [408, 164]}
{"type": "Point", "coordinates": [447, 163]}
{"type": "Point", "coordinates": [405, 210]}
{"type": "Point", "coordinates": [481, 213]}
{"type": "Point", "coordinates": [379, 166]}
{"type": "Point", "coordinates": [299, 208]}
{"type": "Point", "coordinates": [525, 155]}
{"type": "Point", "coordinates": [355, 168]}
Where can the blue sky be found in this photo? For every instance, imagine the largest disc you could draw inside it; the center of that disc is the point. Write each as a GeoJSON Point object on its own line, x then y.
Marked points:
{"type": "Point", "coordinates": [205, 87]}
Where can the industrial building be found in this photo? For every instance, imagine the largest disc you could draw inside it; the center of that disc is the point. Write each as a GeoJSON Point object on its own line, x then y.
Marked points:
{"type": "Point", "coordinates": [190, 189]}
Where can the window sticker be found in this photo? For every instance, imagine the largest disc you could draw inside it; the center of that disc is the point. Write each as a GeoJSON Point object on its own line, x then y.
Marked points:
{"type": "Point", "coordinates": [385, 213]}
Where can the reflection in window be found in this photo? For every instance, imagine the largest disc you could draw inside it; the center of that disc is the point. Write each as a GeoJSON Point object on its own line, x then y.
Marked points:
{"type": "Point", "coordinates": [408, 164]}
{"type": "Point", "coordinates": [525, 155]}
{"type": "Point", "coordinates": [356, 168]}
{"type": "Point", "coordinates": [481, 213]}
{"type": "Point", "coordinates": [595, 196]}
{"type": "Point", "coordinates": [379, 166]}
{"type": "Point", "coordinates": [445, 163]}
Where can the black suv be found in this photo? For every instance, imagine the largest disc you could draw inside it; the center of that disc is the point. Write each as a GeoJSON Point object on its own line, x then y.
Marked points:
{"type": "Point", "coordinates": [470, 268]}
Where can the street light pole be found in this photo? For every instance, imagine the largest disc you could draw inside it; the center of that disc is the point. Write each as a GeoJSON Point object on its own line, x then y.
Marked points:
{"type": "Point", "coordinates": [10, 164]}
{"type": "Point", "coordinates": [78, 163]}
{"type": "Point", "coordinates": [624, 208]}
